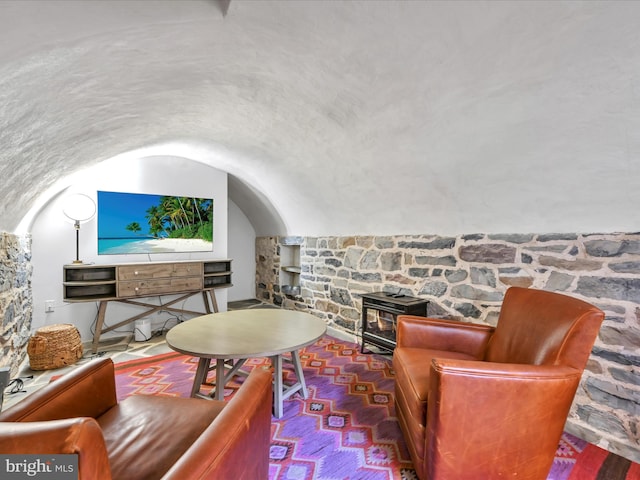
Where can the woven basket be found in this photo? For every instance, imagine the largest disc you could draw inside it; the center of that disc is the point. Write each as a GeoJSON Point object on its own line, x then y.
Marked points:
{"type": "Point", "coordinates": [54, 346]}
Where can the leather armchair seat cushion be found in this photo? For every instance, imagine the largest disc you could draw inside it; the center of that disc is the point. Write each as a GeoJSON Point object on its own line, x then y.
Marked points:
{"type": "Point", "coordinates": [148, 434]}
{"type": "Point", "coordinates": [412, 367]}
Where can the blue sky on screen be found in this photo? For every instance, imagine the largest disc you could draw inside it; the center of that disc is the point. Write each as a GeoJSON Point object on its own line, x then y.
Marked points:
{"type": "Point", "coordinates": [117, 210]}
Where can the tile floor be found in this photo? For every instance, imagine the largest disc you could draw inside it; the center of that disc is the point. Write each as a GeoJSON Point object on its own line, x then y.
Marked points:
{"type": "Point", "coordinates": [120, 349]}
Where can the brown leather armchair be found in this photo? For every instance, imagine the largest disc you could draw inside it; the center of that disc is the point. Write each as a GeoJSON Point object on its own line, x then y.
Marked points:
{"type": "Point", "coordinates": [143, 436]}
{"type": "Point", "coordinates": [477, 402]}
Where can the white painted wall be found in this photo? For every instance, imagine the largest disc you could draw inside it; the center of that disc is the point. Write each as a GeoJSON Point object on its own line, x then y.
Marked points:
{"type": "Point", "coordinates": [242, 248]}
{"type": "Point", "coordinates": [54, 237]}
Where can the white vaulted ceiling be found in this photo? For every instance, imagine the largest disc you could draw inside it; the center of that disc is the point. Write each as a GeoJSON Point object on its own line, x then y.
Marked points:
{"type": "Point", "coordinates": [338, 118]}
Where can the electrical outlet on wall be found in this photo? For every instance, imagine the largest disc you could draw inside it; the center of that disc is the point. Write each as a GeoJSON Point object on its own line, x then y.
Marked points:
{"type": "Point", "coordinates": [49, 306]}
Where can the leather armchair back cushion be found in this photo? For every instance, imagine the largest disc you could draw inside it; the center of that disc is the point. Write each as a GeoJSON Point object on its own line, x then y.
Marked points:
{"type": "Point", "coordinates": [83, 392]}
{"type": "Point", "coordinates": [141, 432]}
{"type": "Point", "coordinates": [543, 328]}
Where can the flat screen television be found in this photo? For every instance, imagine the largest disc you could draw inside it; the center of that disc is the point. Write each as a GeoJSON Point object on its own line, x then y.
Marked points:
{"type": "Point", "coordinates": [131, 223]}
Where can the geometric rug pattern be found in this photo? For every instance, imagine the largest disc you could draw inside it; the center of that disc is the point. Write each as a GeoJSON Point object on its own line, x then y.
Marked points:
{"type": "Point", "coordinates": [346, 428]}
{"type": "Point", "coordinates": [350, 408]}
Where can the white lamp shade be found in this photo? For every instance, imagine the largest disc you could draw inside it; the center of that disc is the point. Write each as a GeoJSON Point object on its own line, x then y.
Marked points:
{"type": "Point", "coordinates": [79, 207]}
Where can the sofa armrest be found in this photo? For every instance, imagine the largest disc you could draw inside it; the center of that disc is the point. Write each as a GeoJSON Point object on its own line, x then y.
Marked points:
{"type": "Point", "coordinates": [440, 334]}
{"type": "Point", "coordinates": [87, 391]}
{"type": "Point", "coordinates": [236, 444]}
{"type": "Point", "coordinates": [80, 436]}
{"type": "Point", "coordinates": [470, 402]}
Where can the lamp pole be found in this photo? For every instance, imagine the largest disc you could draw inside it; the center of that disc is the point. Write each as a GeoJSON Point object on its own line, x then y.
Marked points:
{"type": "Point", "coordinates": [77, 227]}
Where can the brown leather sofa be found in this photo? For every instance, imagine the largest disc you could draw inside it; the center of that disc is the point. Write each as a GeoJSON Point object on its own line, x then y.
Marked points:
{"type": "Point", "coordinates": [477, 402]}
{"type": "Point", "coordinates": [143, 436]}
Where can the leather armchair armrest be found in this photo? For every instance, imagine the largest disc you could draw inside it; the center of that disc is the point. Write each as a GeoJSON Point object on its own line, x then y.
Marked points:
{"type": "Point", "coordinates": [81, 436]}
{"type": "Point", "coordinates": [439, 334]}
{"type": "Point", "coordinates": [87, 391]}
{"type": "Point", "coordinates": [499, 415]}
{"type": "Point", "coordinates": [236, 444]}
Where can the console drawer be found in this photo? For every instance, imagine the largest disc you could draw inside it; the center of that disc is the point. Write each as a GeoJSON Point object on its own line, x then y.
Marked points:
{"type": "Point", "coordinates": [160, 270]}
{"type": "Point", "coordinates": [160, 286]}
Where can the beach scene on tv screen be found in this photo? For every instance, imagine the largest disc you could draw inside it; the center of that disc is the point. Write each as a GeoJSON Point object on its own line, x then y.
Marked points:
{"type": "Point", "coordinates": [144, 223]}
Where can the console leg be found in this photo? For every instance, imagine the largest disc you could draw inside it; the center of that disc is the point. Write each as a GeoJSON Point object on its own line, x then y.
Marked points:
{"type": "Point", "coordinates": [102, 310]}
{"type": "Point", "coordinates": [214, 301]}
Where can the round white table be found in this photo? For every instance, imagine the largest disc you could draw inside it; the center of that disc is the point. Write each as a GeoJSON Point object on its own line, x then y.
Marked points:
{"type": "Point", "coordinates": [242, 334]}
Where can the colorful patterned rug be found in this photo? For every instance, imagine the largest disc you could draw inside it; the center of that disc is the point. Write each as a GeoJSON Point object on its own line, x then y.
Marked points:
{"type": "Point", "coordinates": [347, 428]}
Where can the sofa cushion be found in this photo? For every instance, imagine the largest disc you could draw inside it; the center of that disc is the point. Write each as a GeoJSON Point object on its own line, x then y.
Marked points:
{"type": "Point", "coordinates": [145, 435]}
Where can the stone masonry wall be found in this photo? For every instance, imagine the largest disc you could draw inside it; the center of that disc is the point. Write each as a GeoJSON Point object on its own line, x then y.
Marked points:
{"type": "Point", "coordinates": [465, 277]}
{"type": "Point", "coordinates": [16, 301]}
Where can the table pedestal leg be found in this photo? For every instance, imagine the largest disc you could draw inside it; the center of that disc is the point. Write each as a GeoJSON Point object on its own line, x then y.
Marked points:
{"type": "Point", "coordinates": [281, 391]}
{"type": "Point", "coordinates": [295, 358]}
{"type": "Point", "coordinates": [201, 374]}
{"type": "Point", "coordinates": [221, 380]}
{"type": "Point", "coordinates": [222, 377]}
{"type": "Point", "coordinates": [278, 385]}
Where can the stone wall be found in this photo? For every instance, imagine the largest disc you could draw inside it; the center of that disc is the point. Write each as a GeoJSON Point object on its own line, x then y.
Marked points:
{"type": "Point", "coordinates": [466, 277]}
{"type": "Point", "coordinates": [16, 301]}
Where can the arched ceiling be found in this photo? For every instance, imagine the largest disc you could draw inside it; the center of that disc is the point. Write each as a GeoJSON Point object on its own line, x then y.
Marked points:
{"type": "Point", "coordinates": [374, 117]}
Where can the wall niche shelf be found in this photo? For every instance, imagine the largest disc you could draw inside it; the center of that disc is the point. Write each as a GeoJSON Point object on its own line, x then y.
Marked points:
{"type": "Point", "coordinates": [131, 283]}
{"type": "Point", "coordinates": [290, 267]}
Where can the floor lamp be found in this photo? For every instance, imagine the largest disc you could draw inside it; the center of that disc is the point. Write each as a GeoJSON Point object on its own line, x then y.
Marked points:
{"type": "Point", "coordinates": [80, 209]}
